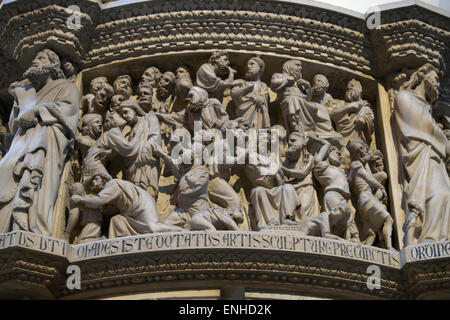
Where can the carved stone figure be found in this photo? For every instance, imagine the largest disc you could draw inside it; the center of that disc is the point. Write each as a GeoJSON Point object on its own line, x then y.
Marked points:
{"type": "Point", "coordinates": [376, 164]}
{"type": "Point", "coordinates": [98, 100]}
{"type": "Point", "coordinates": [297, 168]}
{"type": "Point", "coordinates": [208, 112]}
{"type": "Point", "coordinates": [293, 68]}
{"type": "Point", "coordinates": [334, 182]}
{"type": "Point", "coordinates": [354, 118]}
{"type": "Point", "coordinates": [252, 96]}
{"type": "Point", "coordinates": [137, 213]}
{"type": "Point", "coordinates": [272, 201]}
{"type": "Point", "coordinates": [122, 85]}
{"type": "Point", "coordinates": [44, 122]}
{"type": "Point", "coordinates": [217, 219]}
{"type": "Point", "coordinates": [90, 220]}
{"type": "Point", "coordinates": [91, 129]}
{"type": "Point", "coordinates": [332, 224]}
{"type": "Point", "coordinates": [370, 197]}
{"type": "Point", "coordinates": [116, 100]}
{"type": "Point", "coordinates": [163, 99]}
{"type": "Point", "coordinates": [192, 196]}
{"type": "Point", "coordinates": [319, 94]}
{"type": "Point", "coordinates": [145, 97]}
{"type": "Point", "coordinates": [142, 167]}
{"type": "Point", "coordinates": [183, 83]}
{"type": "Point", "coordinates": [209, 75]}
{"type": "Point", "coordinates": [300, 114]}
{"type": "Point", "coordinates": [151, 76]}
{"type": "Point", "coordinates": [423, 147]}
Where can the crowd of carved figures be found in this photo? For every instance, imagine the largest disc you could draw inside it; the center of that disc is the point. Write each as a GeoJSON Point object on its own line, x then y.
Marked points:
{"type": "Point", "coordinates": [321, 179]}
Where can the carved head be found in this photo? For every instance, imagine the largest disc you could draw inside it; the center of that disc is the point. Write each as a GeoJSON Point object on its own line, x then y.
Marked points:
{"type": "Point", "coordinates": [220, 60]}
{"type": "Point", "coordinates": [183, 81]}
{"type": "Point", "coordinates": [151, 76]}
{"type": "Point", "coordinates": [376, 162]}
{"type": "Point", "coordinates": [429, 75]}
{"type": "Point", "coordinates": [130, 110]}
{"type": "Point", "coordinates": [354, 91]}
{"type": "Point", "coordinates": [166, 84]}
{"type": "Point", "coordinates": [359, 150]}
{"type": "Point", "coordinates": [255, 68]}
{"type": "Point", "coordinates": [341, 214]}
{"type": "Point", "coordinates": [92, 125]}
{"type": "Point", "coordinates": [279, 81]}
{"type": "Point", "coordinates": [116, 100]}
{"type": "Point", "coordinates": [46, 64]}
{"type": "Point", "coordinates": [296, 142]}
{"type": "Point", "coordinates": [334, 156]}
{"type": "Point", "coordinates": [145, 94]}
{"type": "Point", "coordinates": [197, 99]}
{"type": "Point", "coordinates": [122, 86]}
{"type": "Point", "coordinates": [99, 181]}
{"type": "Point", "coordinates": [320, 85]}
{"type": "Point", "coordinates": [293, 68]}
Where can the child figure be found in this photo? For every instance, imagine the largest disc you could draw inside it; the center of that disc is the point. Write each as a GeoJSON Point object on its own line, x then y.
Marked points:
{"type": "Point", "coordinates": [90, 220]}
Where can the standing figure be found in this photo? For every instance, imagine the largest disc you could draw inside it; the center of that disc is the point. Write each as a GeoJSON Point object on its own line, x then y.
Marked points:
{"type": "Point", "coordinates": [297, 168]}
{"type": "Point", "coordinates": [370, 197]}
{"type": "Point", "coordinates": [44, 121]}
{"type": "Point", "coordinates": [423, 148]}
{"type": "Point", "coordinates": [183, 83]}
{"type": "Point", "coordinates": [354, 118]}
{"type": "Point", "coordinates": [252, 97]}
{"type": "Point", "coordinates": [163, 99]}
{"type": "Point", "coordinates": [209, 75]}
{"type": "Point", "coordinates": [143, 167]}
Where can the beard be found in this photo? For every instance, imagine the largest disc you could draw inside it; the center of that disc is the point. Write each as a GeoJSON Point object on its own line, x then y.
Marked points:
{"type": "Point", "coordinates": [162, 93]}
{"type": "Point", "coordinates": [317, 90]}
{"type": "Point", "coordinates": [37, 75]}
{"type": "Point", "coordinates": [196, 106]}
{"type": "Point", "coordinates": [222, 69]}
{"type": "Point", "coordinates": [182, 85]}
{"type": "Point", "coordinates": [293, 152]}
{"type": "Point", "coordinates": [351, 95]}
{"type": "Point", "coordinates": [432, 91]}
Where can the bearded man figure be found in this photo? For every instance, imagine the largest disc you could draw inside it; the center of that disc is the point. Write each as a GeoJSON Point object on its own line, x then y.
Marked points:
{"type": "Point", "coordinates": [44, 121]}
{"type": "Point", "coordinates": [354, 118]}
{"type": "Point", "coordinates": [98, 100]}
{"type": "Point", "coordinates": [163, 99]}
{"type": "Point", "coordinates": [423, 147]}
{"type": "Point", "coordinates": [209, 75]}
{"type": "Point", "coordinates": [252, 97]}
{"type": "Point", "coordinates": [183, 83]}
{"type": "Point", "coordinates": [122, 86]}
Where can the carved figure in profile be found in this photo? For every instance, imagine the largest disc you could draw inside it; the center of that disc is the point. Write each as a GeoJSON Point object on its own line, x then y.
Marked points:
{"type": "Point", "coordinates": [252, 96]}
{"type": "Point", "coordinates": [213, 219]}
{"type": "Point", "coordinates": [297, 168]}
{"type": "Point", "coordinates": [208, 112]}
{"type": "Point", "coordinates": [209, 75]}
{"type": "Point", "coordinates": [98, 99]}
{"type": "Point", "coordinates": [353, 118]}
{"type": "Point", "coordinates": [136, 208]}
{"type": "Point", "coordinates": [91, 129]}
{"type": "Point", "coordinates": [370, 198]}
{"type": "Point", "coordinates": [423, 148]}
{"type": "Point", "coordinates": [44, 121]}
{"type": "Point", "coordinates": [300, 114]}
{"type": "Point", "coordinates": [332, 224]}
{"type": "Point", "coordinates": [90, 220]}
{"type": "Point", "coordinates": [163, 98]}
{"type": "Point", "coordinates": [123, 86]}
{"type": "Point", "coordinates": [151, 76]}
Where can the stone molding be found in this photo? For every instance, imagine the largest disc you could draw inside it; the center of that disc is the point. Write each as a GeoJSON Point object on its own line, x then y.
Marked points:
{"type": "Point", "coordinates": [152, 262]}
